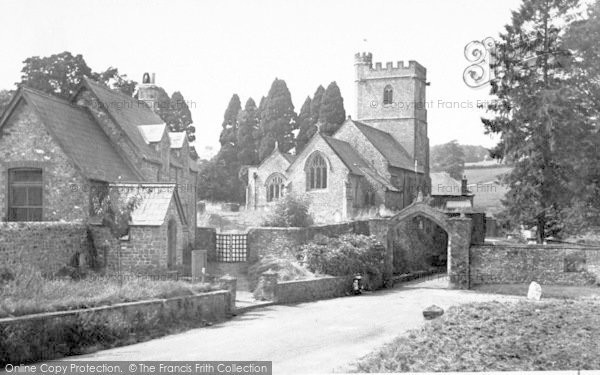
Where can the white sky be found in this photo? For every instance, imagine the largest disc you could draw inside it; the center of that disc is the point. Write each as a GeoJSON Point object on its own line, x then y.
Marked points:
{"type": "Point", "coordinates": [211, 49]}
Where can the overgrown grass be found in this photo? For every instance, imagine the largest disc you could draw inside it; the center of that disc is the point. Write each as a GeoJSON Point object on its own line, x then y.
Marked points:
{"type": "Point", "coordinates": [287, 269]}
{"type": "Point", "coordinates": [525, 336]}
{"type": "Point", "coordinates": [28, 292]}
{"type": "Point", "coordinates": [548, 291]}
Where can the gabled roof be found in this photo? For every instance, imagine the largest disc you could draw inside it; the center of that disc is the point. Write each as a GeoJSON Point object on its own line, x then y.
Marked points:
{"type": "Point", "coordinates": [443, 184]}
{"type": "Point", "coordinates": [152, 133]}
{"type": "Point", "coordinates": [355, 163]}
{"type": "Point", "coordinates": [289, 157]}
{"type": "Point", "coordinates": [154, 204]}
{"type": "Point", "coordinates": [177, 139]}
{"type": "Point", "coordinates": [385, 143]}
{"type": "Point", "coordinates": [128, 113]}
{"type": "Point", "coordinates": [347, 155]}
{"type": "Point", "coordinates": [75, 130]}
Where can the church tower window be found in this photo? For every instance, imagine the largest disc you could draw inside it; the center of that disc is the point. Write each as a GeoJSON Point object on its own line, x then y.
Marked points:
{"type": "Point", "coordinates": [316, 173]}
{"type": "Point", "coordinates": [388, 95]}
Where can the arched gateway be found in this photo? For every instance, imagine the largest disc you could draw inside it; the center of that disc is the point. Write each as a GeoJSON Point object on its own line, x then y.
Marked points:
{"type": "Point", "coordinates": [459, 239]}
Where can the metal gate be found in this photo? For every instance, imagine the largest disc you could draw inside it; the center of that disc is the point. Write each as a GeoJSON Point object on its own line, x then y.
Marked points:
{"type": "Point", "coordinates": [232, 247]}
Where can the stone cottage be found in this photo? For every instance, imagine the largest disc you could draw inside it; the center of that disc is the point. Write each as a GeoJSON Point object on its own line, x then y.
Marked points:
{"type": "Point", "coordinates": [58, 158]}
{"type": "Point", "coordinates": [379, 160]}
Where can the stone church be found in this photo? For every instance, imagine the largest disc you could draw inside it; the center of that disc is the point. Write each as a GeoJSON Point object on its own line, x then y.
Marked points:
{"type": "Point", "coordinates": [59, 158]}
{"type": "Point", "coordinates": [380, 160]}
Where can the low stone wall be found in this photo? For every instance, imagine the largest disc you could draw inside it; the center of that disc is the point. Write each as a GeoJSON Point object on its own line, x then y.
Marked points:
{"type": "Point", "coordinates": [545, 264]}
{"type": "Point", "coordinates": [264, 241]}
{"type": "Point", "coordinates": [48, 246]}
{"type": "Point", "coordinates": [312, 290]}
{"type": "Point", "coordinates": [52, 335]}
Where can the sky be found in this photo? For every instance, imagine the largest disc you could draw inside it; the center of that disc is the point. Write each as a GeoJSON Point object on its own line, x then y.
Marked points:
{"type": "Point", "coordinates": [209, 50]}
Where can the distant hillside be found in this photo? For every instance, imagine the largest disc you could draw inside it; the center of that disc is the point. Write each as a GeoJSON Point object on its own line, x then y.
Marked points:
{"type": "Point", "coordinates": [472, 153]}
{"type": "Point", "coordinates": [483, 182]}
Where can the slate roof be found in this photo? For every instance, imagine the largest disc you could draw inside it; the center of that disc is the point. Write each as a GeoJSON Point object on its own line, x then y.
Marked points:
{"type": "Point", "coordinates": [385, 143]}
{"type": "Point", "coordinates": [289, 157]}
{"type": "Point", "coordinates": [355, 163]}
{"type": "Point", "coordinates": [347, 154]}
{"type": "Point", "coordinates": [80, 137]}
{"type": "Point", "coordinates": [129, 113]}
{"type": "Point", "coordinates": [444, 185]}
{"type": "Point", "coordinates": [154, 205]}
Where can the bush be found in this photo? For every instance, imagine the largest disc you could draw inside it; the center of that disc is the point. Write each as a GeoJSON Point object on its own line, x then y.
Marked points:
{"type": "Point", "coordinates": [347, 255]}
{"type": "Point", "coordinates": [287, 269]}
{"type": "Point", "coordinates": [290, 211]}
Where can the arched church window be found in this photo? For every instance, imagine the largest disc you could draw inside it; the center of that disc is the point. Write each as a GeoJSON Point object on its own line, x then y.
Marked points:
{"type": "Point", "coordinates": [316, 173]}
{"type": "Point", "coordinates": [275, 187]}
{"type": "Point", "coordinates": [388, 95]}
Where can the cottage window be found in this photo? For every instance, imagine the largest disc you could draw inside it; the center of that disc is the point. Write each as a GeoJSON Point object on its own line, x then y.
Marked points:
{"type": "Point", "coordinates": [275, 187]}
{"type": "Point", "coordinates": [25, 194]}
{"type": "Point", "coordinates": [388, 95]}
{"type": "Point", "coordinates": [316, 173]}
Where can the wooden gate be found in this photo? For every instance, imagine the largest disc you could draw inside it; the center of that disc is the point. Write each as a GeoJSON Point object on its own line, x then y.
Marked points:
{"type": "Point", "coordinates": [232, 247]}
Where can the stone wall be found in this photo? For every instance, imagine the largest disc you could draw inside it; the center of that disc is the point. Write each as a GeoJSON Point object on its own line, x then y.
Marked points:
{"type": "Point", "coordinates": [206, 240]}
{"type": "Point", "coordinates": [26, 143]}
{"type": "Point", "coordinates": [48, 246]}
{"type": "Point", "coordinates": [545, 264]}
{"type": "Point", "coordinates": [52, 335]}
{"type": "Point", "coordinates": [265, 241]}
{"type": "Point", "coordinates": [312, 290]}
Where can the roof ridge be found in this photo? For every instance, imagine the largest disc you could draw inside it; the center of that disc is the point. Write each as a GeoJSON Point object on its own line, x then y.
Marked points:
{"type": "Point", "coordinates": [51, 97]}
{"type": "Point", "coordinates": [112, 91]}
{"type": "Point", "coordinates": [372, 127]}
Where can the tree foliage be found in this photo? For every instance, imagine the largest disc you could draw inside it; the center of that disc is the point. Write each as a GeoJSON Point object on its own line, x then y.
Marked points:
{"type": "Point", "coordinates": [537, 113]}
{"type": "Point", "coordinates": [278, 120]}
{"type": "Point", "coordinates": [332, 113]}
{"type": "Point", "coordinates": [449, 158]}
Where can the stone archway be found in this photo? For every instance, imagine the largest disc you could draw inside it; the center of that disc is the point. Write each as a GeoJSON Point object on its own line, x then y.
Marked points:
{"type": "Point", "coordinates": [459, 239]}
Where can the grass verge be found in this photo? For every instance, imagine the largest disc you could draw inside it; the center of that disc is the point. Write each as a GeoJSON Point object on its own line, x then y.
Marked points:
{"type": "Point", "coordinates": [525, 336]}
{"type": "Point", "coordinates": [28, 292]}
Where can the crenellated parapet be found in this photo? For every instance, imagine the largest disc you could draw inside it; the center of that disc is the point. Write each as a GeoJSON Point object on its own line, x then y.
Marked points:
{"type": "Point", "coordinates": [365, 69]}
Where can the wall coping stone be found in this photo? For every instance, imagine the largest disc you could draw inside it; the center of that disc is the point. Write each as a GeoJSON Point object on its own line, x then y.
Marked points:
{"type": "Point", "coordinates": [538, 246]}
{"type": "Point", "coordinates": [54, 314]}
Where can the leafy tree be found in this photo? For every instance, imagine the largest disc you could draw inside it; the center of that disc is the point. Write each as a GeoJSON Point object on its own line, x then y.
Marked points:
{"type": "Point", "coordinates": [332, 113]}
{"type": "Point", "coordinates": [306, 128]}
{"type": "Point", "coordinates": [5, 97]}
{"type": "Point", "coordinates": [178, 116]}
{"type": "Point", "coordinates": [248, 120]}
{"type": "Point", "coordinates": [536, 113]}
{"type": "Point", "coordinates": [113, 79]}
{"type": "Point", "coordinates": [58, 74]}
{"type": "Point", "coordinates": [278, 120]}
{"type": "Point", "coordinates": [449, 158]}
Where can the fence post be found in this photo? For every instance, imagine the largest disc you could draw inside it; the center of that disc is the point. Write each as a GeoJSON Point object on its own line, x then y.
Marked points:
{"type": "Point", "coordinates": [230, 283]}
{"type": "Point", "coordinates": [269, 282]}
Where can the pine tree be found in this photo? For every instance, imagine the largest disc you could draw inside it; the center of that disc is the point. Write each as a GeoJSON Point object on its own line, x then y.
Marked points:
{"type": "Point", "coordinates": [278, 120]}
{"type": "Point", "coordinates": [307, 128]}
{"type": "Point", "coordinates": [332, 113]}
{"type": "Point", "coordinates": [315, 105]}
{"type": "Point", "coordinates": [535, 113]}
{"type": "Point", "coordinates": [246, 137]}
{"type": "Point", "coordinates": [230, 122]}
{"type": "Point", "coordinates": [180, 118]}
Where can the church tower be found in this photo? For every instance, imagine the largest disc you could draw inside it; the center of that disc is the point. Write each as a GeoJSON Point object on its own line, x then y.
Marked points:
{"type": "Point", "coordinates": [392, 98]}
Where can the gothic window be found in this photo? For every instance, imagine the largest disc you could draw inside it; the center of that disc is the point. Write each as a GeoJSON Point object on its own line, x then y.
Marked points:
{"type": "Point", "coordinates": [316, 173]}
{"type": "Point", "coordinates": [25, 194]}
{"type": "Point", "coordinates": [388, 95]}
{"type": "Point", "coordinates": [275, 187]}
